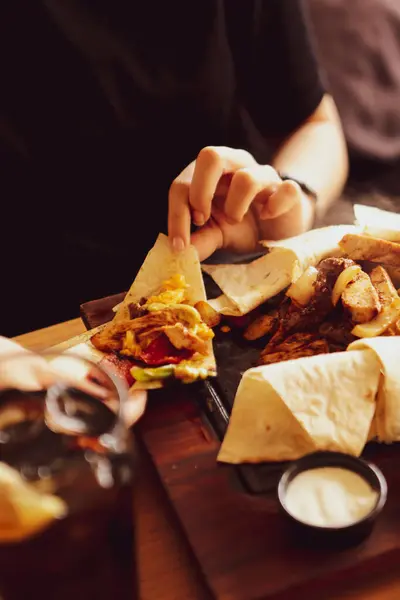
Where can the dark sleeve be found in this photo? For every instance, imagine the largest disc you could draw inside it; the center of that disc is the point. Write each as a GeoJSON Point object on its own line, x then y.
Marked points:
{"type": "Point", "coordinates": [278, 72]}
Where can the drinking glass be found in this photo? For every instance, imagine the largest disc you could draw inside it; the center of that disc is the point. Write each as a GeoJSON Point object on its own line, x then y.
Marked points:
{"type": "Point", "coordinates": [67, 472]}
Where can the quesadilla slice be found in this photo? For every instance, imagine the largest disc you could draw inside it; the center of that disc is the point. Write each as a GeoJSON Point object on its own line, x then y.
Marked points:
{"type": "Point", "coordinates": [164, 325]}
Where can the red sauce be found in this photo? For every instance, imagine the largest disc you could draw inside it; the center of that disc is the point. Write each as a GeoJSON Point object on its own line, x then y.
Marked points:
{"type": "Point", "coordinates": [162, 352]}
{"type": "Point", "coordinates": [159, 352]}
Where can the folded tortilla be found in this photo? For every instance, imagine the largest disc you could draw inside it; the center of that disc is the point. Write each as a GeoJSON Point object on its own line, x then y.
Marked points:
{"type": "Point", "coordinates": [387, 417]}
{"type": "Point", "coordinates": [286, 410]}
{"type": "Point", "coordinates": [246, 286]}
{"type": "Point", "coordinates": [378, 223]}
{"type": "Point", "coordinates": [160, 264]}
{"type": "Point", "coordinates": [381, 224]}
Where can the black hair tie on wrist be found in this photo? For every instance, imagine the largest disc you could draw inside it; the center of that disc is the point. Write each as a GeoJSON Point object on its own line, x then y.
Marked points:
{"type": "Point", "coordinates": [310, 192]}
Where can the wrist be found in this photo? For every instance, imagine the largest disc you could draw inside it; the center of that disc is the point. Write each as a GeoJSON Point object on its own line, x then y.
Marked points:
{"type": "Point", "coordinates": [308, 212]}
{"type": "Point", "coordinates": [310, 200]}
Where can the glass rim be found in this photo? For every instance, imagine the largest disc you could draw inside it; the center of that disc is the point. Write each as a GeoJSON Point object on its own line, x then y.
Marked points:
{"type": "Point", "coordinates": [118, 389]}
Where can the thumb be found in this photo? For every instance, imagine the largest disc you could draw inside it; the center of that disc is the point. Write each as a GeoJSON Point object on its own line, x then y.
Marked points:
{"type": "Point", "coordinates": [207, 239]}
{"type": "Point", "coordinates": [135, 406]}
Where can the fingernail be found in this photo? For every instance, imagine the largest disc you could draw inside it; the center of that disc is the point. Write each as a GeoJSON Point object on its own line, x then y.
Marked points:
{"type": "Point", "coordinates": [178, 244]}
{"type": "Point", "coordinates": [198, 218]}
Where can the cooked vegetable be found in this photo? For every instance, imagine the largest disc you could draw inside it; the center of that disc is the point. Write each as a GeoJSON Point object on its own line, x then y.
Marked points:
{"type": "Point", "coordinates": [184, 372]}
{"type": "Point", "coordinates": [363, 247]}
{"type": "Point", "coordinates": [209, 315]}
{"type": "Point", "coordinates": [388, 316]}
{"type": "Point", "coordinates": [383, 284]}
{"type": "Point", "coordinates": [345, 277]}
{"type": "Point", "coordinates": [393, 329]}
{"type": "Point", "coordinates": [261, 326]}
{"type": "Point", "coordinates": [361, 299]}
{"type": "Point", "coordinates": [149, 374]}
{"type": "Point", "coordinates": [303, 288]}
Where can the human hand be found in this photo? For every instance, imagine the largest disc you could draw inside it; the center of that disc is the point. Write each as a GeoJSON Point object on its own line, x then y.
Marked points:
{"type": "Point", "coordinates": [235, 202]}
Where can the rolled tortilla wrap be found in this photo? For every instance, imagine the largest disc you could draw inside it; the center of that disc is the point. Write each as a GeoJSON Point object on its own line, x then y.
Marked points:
{"type": "Point", "coordinates": [285, 410]}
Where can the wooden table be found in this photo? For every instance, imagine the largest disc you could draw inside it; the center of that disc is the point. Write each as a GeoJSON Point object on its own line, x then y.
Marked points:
{"type": "Point", "coordinates": [168, 571]}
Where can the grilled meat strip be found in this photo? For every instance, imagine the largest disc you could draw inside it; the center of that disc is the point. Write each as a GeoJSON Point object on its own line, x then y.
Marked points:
{"type": "Point", "coordinates": [311, 316]}
{"type": "Point", "coordinates": [146, 328]}
{"type": "Point", "coordinates": [297, 345]}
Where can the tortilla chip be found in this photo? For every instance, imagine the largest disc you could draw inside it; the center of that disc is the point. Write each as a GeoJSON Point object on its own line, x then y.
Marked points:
{"type": "Point", "coordinates": [246, 286]}
{"type": "Point", "coordinates": [387, 351]}
{"type": "Point", "coordinates": [378, 223]}
{"type": "Point", "coordinates": [285, 410]}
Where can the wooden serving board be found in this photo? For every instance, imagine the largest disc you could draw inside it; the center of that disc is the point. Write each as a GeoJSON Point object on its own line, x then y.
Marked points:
{"type": "Point", "coordinates": [241, 541]}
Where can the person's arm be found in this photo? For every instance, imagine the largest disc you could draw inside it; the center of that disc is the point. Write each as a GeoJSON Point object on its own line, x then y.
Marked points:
{"type": "Point", "coordinates": [235, 198]}
{"type": "Point", "coordinates": [315, 154]}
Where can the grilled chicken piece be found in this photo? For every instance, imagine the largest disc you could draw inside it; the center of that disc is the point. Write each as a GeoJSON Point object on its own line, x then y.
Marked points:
{"type": "Point", "coordinates": [261, 326]}
{"type": "Point", "coordinates": [362, 247]}
{"type": "Point", "coordinates": [383, 285]}
{"type": "Point", "coordinates": [136, 310]}
{"type": "Point", "coordinates": [180, 337]}
{"type": "Point", "coordinates": [295, 346]}
{"type": "Point", "coordinates": [209, 315]}
{"type": "Point", "coordinates": [361, 299]}
{"type": "Point", "coordinates": [110, 339]}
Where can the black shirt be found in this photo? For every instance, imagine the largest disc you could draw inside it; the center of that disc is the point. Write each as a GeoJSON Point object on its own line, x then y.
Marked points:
{"type": "Point", "coordinates": [104, 102]}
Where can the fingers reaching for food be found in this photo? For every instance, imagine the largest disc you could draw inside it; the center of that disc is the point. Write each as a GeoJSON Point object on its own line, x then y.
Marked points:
{"type": "Point", "coordinates": [229, 196]}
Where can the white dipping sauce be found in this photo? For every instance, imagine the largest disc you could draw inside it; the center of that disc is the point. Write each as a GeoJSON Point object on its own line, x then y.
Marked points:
{"type": "Point", "coordinates": [330, 497]}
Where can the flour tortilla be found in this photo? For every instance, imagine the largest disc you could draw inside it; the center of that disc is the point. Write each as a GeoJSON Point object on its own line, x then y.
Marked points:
{"type": "Point", "coordinates": [160, 264]}
{"type": "Point", "coordinates": [387, 418]}
{"type": "Point", "coordinates": [285, 410]}
{"type": "Point", "coordinates": [378, 223]}
{"type": "Point", "coordinates": [246, 286]}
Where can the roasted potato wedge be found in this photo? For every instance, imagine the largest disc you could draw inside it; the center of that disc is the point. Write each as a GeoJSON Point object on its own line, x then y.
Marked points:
{"type": "Point", "coordinates": [209, 315]}
{"type": "Point", "coordinates": [261, 326]}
